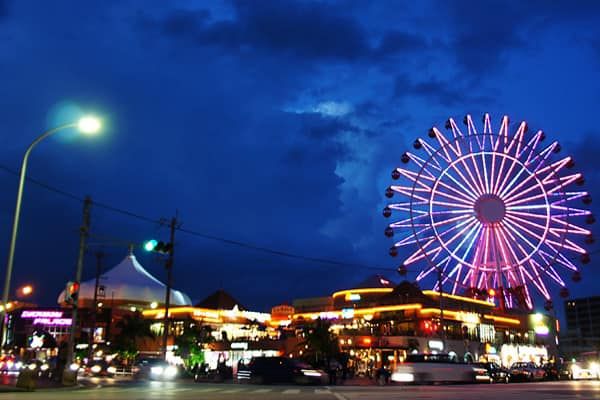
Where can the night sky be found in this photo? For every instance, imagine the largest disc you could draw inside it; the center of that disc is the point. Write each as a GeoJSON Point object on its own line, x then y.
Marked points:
{"type": "Point", "coordinates": [272, 123]}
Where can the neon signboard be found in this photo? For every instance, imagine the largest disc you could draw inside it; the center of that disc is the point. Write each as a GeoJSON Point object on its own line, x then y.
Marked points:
{"type": "Point", "coordinates": [48, 318]}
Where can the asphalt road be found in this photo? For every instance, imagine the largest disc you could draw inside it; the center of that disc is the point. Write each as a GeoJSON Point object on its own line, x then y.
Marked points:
{"type": "Point", "coordinates": [185, 390]}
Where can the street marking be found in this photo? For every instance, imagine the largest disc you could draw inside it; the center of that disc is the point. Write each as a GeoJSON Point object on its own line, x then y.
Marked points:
{"type": "Point", "coordinates": [261, 391]}
{"type": "Point", "coordinates": [291, 391]}
{"type": "Point", "coordinates": [323, 391]}
{"type": "Point", "coordinates": [232, 391]}
{"type": "Point", "coordinates": [205, 390]}
{"type": "Point", "coordinates": [339, 396]}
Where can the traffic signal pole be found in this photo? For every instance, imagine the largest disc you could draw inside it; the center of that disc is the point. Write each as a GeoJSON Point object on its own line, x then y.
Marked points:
{"type": "Point", "coordinates": [83, 234]}
{"type": "Point", "coordinates": [169, 266]}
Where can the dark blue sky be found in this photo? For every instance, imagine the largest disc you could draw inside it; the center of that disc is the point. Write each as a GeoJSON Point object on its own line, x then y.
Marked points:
{"type": "Point", "coordinates": [273, 123]}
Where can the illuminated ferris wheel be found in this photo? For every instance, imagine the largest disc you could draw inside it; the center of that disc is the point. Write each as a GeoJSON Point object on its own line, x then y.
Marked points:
{"type": "Point", "coordinates": [489, 209]}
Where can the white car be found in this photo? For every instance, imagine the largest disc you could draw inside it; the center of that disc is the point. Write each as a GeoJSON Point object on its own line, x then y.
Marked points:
{"type": "Point", "coordinates": [430, 368]}
{"type": "Point", "coordinates": [580, 370]}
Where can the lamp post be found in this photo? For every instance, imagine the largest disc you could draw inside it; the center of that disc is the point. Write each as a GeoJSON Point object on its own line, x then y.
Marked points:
{"type": "Point", "coordinates": [87, 125]}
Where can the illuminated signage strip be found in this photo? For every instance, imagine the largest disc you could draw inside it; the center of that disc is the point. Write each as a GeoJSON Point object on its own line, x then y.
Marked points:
{"type": "Point", "coordinates": [362, 291]}
{"type": "Point", "coordinates": [41, 314]}
{"type": "Point", "coordinates": [503, 319]}
{"type": "Point", "coordinates": [53, 321]}
{"type": "Point", "coordinates": [357, 311]}
{"type": "Point", "coordinates": [207, 313]}
{"type": "Point", "coordinates": [461, 298]}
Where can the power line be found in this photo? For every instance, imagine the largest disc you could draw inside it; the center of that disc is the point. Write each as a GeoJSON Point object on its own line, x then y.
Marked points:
{"type": "Point", "coordinates": [196, 233]}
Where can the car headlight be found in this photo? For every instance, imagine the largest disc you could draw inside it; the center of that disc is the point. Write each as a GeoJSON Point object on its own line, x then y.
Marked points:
{"type": "Point", "coordinates": [32, 366]}
{"type": "Point", "coordinates": [310, 372]}
{"type": "Point", "coordinates": [111, 370]}
{"type": "Point", "coordinates": [156, 370]}
{"type": "Point", "coordinates": [18, 365]}
{"type": "Point", "coordinates": [403, 377]}
{"type": "Point", "coordinates": [44, 367]}
{"type": "Point", "coordinates": [170, 372]}
{"type": "Point", "coordinates": [74, 367]}
{"type": "Point", "coordinates": [96, 369]}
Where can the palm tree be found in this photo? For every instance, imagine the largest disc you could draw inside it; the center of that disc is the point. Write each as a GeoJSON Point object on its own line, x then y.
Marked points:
{"type": "Point", "coordinates": [322, 344]}
{"type": "Point", "coordinates": [131, 328]}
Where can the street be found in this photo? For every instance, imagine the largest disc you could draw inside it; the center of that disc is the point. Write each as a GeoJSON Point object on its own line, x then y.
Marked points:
{"type": "Point", "coordinates": [186, 390]}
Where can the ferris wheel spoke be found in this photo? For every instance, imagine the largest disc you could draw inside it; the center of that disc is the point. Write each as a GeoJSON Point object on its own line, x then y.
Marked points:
{"type": "Point", "coordinates": [540, 158]}
{"type": "Point", "coordinates": [480, 185]}
{"type": "Point", "coordinates": [524, 221]}
{"type": "Point", "coordinates": [504, 184]}
{"type": "Point", "coordinates": [512, 230]}
{"type": "Point", "coordinates": [467, 187]}
{"type": "Point", "coordinates": [513, 270]}
{"type": "Point", "coordinates": [465, 203]}
{"type": "Point", "coordinates": [453, 205]}
{"type": "Point", "coordinates": [518, 228]}
{"type": "Point", "coordinates": [549, 270]}
{"type": "Point", "coordinates": [569, 245]}
{"type": "Point", "coordinates": [485, 173]}
{"type": "Point", "coordinates": [570, 212]}
{"type": "Point", "coordinates": [466, 195]}
{"type": "Point", "coordinates": [566, 227]}
{"type": "Point", "coordinates": [510, 189]}
{"type": "Point", "coordinates": [531, 147]}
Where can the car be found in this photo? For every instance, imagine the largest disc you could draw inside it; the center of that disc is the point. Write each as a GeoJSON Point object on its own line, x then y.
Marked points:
{"type": "Point", "coordinates": [154, 369]}
{"type": "Point", "coordinates": [267, 370]}
{"type": "Point", "coordinates": [552, 371]}
{"type": "Point", "coordinates": [526, 371]}
{"type": "Point", "coordinates": [99, 368]}
{"type": "Point", "coordinates": [495, 372]}
{"type": "Point", "coordinates": [10, 365]}
{"type": "Point", "coordinates": [42, 368]}
{"type": "Point", "coordinates": [576, 370]}
{"type": "Point", "coordinates": [432, 368]}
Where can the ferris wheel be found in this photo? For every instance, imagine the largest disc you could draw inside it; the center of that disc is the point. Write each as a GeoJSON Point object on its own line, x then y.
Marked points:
{"type": "Point", "coordinates": [489, 212]}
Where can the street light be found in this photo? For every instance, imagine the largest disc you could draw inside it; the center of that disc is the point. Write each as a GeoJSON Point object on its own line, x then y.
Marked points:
{"type": "Point", "coordinates": [87, 125]}
{"type": "Point", "coordinates": [25, 290]}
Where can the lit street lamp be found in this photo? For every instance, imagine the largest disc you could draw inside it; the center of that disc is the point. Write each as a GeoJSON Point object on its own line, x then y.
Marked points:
{"type": "Point", "coordinates": [25, 290]}
{"type": "Point", "coordinates": [87, 125]}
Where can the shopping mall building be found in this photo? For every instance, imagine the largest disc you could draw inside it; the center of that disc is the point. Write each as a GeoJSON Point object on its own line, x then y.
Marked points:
{"type": "Point", "coordinates": [377, 322]}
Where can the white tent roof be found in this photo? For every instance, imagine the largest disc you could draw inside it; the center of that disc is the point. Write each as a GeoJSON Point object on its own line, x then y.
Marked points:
{"type": "Point", "coordinates": [130, 282]}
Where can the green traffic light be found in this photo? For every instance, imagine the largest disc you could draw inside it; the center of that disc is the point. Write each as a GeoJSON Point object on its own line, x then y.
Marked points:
{"type": "Point", "coordinates": [150, 245]}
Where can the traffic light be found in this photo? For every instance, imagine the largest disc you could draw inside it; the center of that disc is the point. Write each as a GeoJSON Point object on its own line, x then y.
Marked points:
{"type": "Point", "coordinates": [158, 247]}
{"type": "Point", "coordinates": [72, 292]}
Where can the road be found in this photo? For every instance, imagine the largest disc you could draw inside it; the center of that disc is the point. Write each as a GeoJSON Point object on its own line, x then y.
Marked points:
{"type": "Point", "coordinates": [188, 390]}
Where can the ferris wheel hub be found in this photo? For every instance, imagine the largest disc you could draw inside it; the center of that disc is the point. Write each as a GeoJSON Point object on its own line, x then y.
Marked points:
{"type": "Point", "coordinates": [490, 209]}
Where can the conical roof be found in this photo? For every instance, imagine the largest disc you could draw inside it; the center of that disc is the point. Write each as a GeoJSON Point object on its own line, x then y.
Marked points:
{"type": "Point", "coordinates": [220, 300]}
{"type": "Point", "coordinates": [129, 282]}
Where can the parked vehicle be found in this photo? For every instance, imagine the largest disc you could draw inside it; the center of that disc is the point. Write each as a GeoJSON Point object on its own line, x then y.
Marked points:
{"type": "Point", "coordinates": [43, 369]}
{"type": "Point", "coordinates": [154, 369]}
{"type": "Point", "coordinates": [430, 368]}
{"type": "Point", "coordinates": [526, 371]}
{"type": "Point", "coordinates": [496, 373]}
{"type": "Point", "coordinates": [552, 371]}
{"type": "Point", "coordinates": [266, 370]}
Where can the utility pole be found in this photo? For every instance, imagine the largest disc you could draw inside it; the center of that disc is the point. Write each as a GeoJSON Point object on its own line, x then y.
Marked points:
{"type": "Point", "coordinates": [169, 265]}
{"type": "Point", "coordinates": [443, 331]}
{"type": "Point", "coordinates": [99, 256]}
{"type": "Point", "coordinates": [83, 234]}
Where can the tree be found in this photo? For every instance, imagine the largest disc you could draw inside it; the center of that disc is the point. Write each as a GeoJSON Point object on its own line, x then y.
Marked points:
{"type": "Point", "coordinates": [322, 344]}
{"type": "Point", "coordinates": [191, 342]}
{"type": "Point", "coordinates": [131, 328]}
